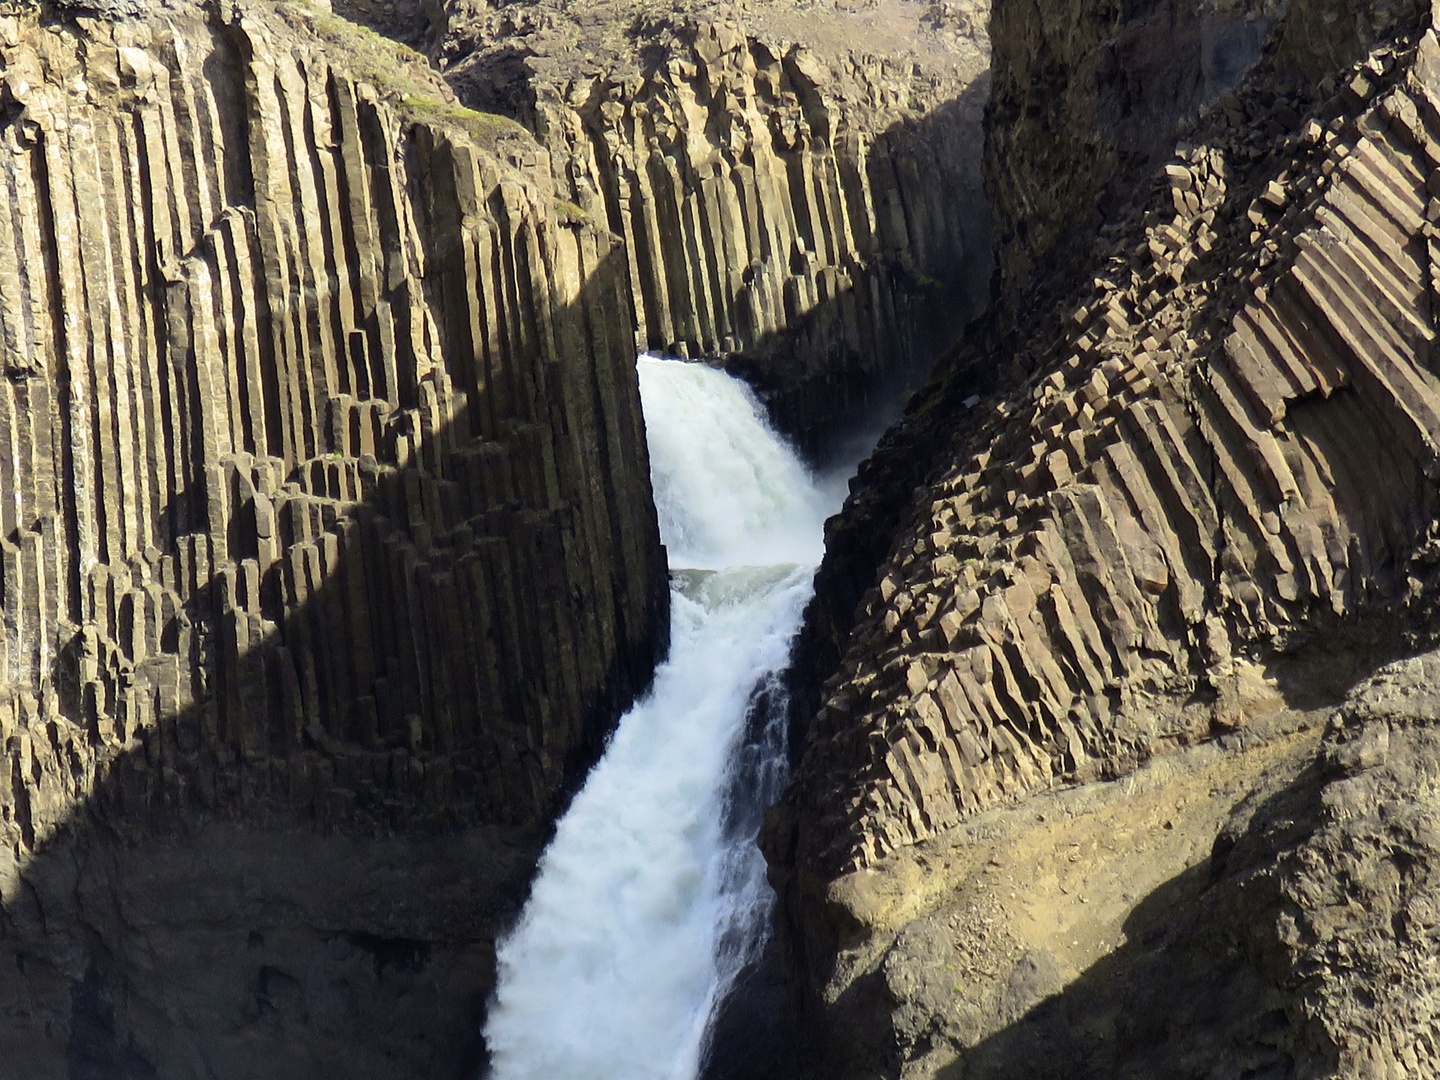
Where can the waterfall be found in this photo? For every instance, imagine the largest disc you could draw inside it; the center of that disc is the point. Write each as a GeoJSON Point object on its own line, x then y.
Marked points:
{"type": "Point", "coordinates": [652, 897]}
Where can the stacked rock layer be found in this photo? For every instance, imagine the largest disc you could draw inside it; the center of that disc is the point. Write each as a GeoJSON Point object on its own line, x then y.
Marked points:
{"type": "Point", "coordinates": [1087, 98]}
{"type": "Point", "coordinates": [1200, 512]}
{"type": "Point", "coordinates": [764, 227]}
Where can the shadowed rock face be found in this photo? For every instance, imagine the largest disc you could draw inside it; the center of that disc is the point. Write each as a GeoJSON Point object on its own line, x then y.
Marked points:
{"type": "Point", "coordinates": [1087, 98]}
{"type": "Point", "coordinates": [798, 188]}
{"type": "Point", "coordinates": [1197, 509]}
{"type": "Point", "coordinates": [326, 520]}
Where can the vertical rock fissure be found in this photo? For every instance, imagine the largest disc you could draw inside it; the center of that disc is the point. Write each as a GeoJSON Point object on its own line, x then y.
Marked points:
{"type": "Point", "coordinates": [59, 342]}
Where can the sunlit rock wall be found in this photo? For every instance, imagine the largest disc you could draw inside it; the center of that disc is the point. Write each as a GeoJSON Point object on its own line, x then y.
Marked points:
{"type": "Point", "coordinates": [798, 187]}
{"type": "Point", "coordinates": [325, 481]}
{"type": "Point", "coordinates": [327, 549]}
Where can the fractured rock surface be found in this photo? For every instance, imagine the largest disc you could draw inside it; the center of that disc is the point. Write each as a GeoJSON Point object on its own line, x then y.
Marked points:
{"type": "Point", "coordinates": [1200, 510]}
{"type": "Point", "coordinates": [321, 437]}
{"type": "Point", "coordinates": [1144, 513]}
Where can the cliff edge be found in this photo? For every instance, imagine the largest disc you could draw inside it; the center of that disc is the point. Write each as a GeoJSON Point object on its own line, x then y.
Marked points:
{"type": "Point", "coordinates": [798, 185]}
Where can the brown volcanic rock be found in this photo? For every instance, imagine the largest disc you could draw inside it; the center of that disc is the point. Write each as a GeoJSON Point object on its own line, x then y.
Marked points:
{"type": "Point", "coordinates": [326, 519]}
{"type": "Point", "coordinates": [1170, 490]}
{"type": "Point", "coordinates": [1260, 905]}
{"type": "Point", "coordinates": [1203, 514]}
{"type": "Point", "coordinates": [797, 185]}
{"type": "Point", "coordinates": [280, 435]}
{"type": "Point", "coordinates": [326, 516]}
{"type": "Point", "coordinates": [296, 387]}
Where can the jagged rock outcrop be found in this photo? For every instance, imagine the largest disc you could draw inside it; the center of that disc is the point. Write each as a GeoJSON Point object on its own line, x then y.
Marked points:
{"type": "Point", "coordinates": [1202, 510]}
{"type": "Point", "coordinates": [326, 511]}
{"type": "Point", "coordinates": [798, 190]}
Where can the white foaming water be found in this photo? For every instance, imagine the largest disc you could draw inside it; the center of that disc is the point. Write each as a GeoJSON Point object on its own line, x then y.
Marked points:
{"type": "Point", "coordinates": [729, 492]}
{"type": "Point", "coordinates": [652, 896]}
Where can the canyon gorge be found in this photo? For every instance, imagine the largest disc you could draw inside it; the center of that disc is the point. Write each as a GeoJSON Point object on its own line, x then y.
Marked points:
{"type": "Point", "coordinates": [330, 556]}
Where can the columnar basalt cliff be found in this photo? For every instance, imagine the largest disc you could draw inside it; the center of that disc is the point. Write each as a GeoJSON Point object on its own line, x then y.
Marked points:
{"type": "Point", "coordinates": [326, 515]}
{"type": "Point", "coordinates": [1135, 521]}
{"type": "Point", "coordinates": [798, 190]}
{"type": "Point", "coordinates": [1067, 764]}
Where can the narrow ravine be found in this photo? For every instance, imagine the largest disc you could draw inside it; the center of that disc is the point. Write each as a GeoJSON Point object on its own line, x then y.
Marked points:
{"type": "Point", "coordinates": [652, 896]}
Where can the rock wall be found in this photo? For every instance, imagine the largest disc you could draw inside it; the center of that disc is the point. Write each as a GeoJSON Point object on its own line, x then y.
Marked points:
{"type": "Point", "coordinates": [322, 432]}
{"type": "Point", "coordinates": [1134, 520]}
{"type": "Point", "coordinates": [770, 228]}
{"type": "Point", "coordinates": [326, 508]}
{"type": "Point", "coordinates": [1086, 98]}
{"type": "Point", "coordinates": [798, 191]}
{"type": "Point", "coordinates": [1203, 508]}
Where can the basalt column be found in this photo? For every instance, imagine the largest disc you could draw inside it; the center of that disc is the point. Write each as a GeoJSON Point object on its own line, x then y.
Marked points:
{"type": "Point", "coordinates": [325, 507]}
{"type": "Point", "coordinates": [798, 191]}
{"type": "Point", "coordinates": [1100, 784]}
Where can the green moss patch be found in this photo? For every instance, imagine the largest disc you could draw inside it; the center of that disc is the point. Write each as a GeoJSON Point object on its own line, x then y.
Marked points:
{"type": "Point", "coordinates": [402, 76]}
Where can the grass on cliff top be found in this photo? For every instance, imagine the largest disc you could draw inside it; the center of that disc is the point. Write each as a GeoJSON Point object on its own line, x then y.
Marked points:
{"type": "Point", "coordinates": [402, 76]}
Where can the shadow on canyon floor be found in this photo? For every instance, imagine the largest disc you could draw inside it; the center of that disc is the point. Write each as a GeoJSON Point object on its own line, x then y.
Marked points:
{"type": "Point", "coordinates": [1163, 1004]}
{"type": "Point", "coordinates": [1201, 986]}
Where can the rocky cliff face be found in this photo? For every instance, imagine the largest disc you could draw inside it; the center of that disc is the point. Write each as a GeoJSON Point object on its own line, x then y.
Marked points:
{"type": "Point", "coordinates": [798, 190]}
{"type": "Point", "coordinates": [1087, 98]}
{"type": "Point", "coordinates": [326, 516]}
{"type": "Point", "coordinates": [1068, 759]}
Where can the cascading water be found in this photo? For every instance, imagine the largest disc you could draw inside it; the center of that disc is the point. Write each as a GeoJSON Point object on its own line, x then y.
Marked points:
{"type": "Point", "coordinates": [651, 898]}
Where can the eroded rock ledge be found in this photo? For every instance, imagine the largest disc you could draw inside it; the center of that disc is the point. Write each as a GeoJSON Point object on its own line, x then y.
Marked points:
{"type": "Point", "coordinates": [1200, 512]}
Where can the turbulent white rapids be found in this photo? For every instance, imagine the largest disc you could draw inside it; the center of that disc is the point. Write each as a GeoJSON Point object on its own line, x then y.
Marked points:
{"type": "Point", "coordinates": [649, 899]}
